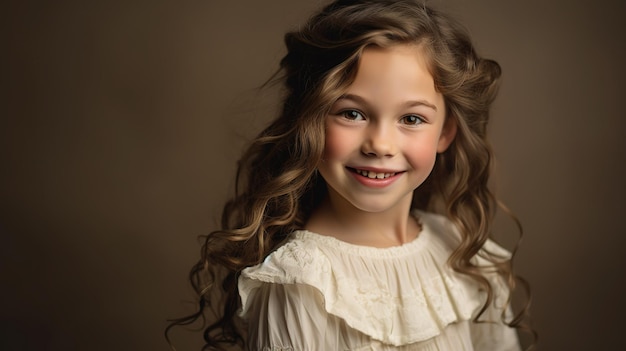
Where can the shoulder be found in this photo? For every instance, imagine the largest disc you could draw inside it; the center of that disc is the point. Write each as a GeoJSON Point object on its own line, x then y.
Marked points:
{"type": "Point", "coordinates": [295, 261]}
{"type": "Point", "coordinates": [299, 261]}
{"type": "Point", "coordinates": [445, 238]}
{"type": "Point", "coordinates": [448, 234]}
{"type": "Point", "coordinates": [442, 234]}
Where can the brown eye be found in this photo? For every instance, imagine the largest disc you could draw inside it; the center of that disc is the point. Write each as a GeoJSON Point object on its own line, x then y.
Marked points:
{"type": "Point", "coordinates": [353, 115]}
{"type": "Point", "coordinates": [412, 120]}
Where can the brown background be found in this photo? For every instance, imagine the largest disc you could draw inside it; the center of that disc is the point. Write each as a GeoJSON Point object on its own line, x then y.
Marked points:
{"type": "Point", "coordinates": [122, 120]}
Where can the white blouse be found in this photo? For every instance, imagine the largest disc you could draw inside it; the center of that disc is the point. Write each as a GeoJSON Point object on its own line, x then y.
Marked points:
{"type": "Point", "coordinates": [319, 293]}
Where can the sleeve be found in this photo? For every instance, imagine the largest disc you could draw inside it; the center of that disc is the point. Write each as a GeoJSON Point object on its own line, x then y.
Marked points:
{"type": "Point", "coordinates": [493, 334]}
{"type": "Point", "coordinates": [290, 317]}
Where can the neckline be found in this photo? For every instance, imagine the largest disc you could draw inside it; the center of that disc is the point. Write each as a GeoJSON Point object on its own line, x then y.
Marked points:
{"type": "Point", "coordinates": [370, 251]}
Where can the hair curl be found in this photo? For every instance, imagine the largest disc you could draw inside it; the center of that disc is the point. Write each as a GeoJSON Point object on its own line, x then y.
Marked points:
{"type": "Point", "coordinates": [277, 185]}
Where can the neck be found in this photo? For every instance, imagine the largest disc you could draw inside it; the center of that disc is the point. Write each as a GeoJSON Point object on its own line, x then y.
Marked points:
{"type": "Point", "coordinates": [385, 228]}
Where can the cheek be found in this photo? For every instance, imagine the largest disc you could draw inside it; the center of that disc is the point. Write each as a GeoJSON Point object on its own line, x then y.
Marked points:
{"type": "Point", "coordinates": [338, 143]}
{"type": "Point", "coordinates": [422, 152]}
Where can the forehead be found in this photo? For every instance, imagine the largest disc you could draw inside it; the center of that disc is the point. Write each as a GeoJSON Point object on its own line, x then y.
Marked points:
{"type": "Point", "coordinates": [394, 74]}
{"type": "Point", "coordinates": [403, 57]}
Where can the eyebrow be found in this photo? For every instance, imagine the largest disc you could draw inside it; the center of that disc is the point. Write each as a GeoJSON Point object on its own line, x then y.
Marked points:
{"type": "Point", "coordinates": [410, 103]}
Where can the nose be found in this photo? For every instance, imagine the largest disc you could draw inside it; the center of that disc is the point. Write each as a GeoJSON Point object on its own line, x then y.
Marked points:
{"type": "Point", "coordinates": [380, 141]}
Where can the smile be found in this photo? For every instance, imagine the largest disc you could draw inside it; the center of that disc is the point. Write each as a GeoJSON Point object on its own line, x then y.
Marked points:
{"type": "Point", "coordinates": [373, 175]}
{"type": "Point", "coordinates": [378, 178]}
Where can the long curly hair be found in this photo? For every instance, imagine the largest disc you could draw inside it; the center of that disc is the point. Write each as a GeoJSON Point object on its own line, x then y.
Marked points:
{"type": "Point", "coordinates": [277, 185]}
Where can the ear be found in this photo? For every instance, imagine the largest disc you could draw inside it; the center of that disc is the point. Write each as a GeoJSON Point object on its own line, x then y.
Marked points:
{"type": "Point", "coordinates": [447, 134]}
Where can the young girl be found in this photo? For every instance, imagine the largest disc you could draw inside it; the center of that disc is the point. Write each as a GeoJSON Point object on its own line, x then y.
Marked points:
{"type": "Point", "coordinates": [362, 216]}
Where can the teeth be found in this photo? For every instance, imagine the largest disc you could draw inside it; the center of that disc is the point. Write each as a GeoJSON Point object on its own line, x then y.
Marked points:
{"type": "Point", "coordinates": [374, 175]}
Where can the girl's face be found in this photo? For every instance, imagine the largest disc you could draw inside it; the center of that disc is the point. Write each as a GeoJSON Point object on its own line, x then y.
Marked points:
{"type": "Point", "coordinates": [383, 134]}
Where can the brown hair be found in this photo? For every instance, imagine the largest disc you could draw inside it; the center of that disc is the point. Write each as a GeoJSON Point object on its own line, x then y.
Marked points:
{"type": "Point", "coordinates": [277, 184]}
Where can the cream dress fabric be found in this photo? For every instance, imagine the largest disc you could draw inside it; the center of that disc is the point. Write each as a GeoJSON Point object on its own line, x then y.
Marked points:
{"type": "Point", "coordinates": [318, 293]}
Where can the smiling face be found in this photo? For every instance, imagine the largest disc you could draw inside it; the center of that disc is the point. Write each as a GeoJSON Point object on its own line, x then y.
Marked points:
{"type": "Point", "coordinates": [383, 134]}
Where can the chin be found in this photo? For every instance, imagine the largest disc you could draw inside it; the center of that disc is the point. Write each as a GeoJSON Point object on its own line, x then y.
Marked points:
{"type": "Point", "coordinates": [376, 206]}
